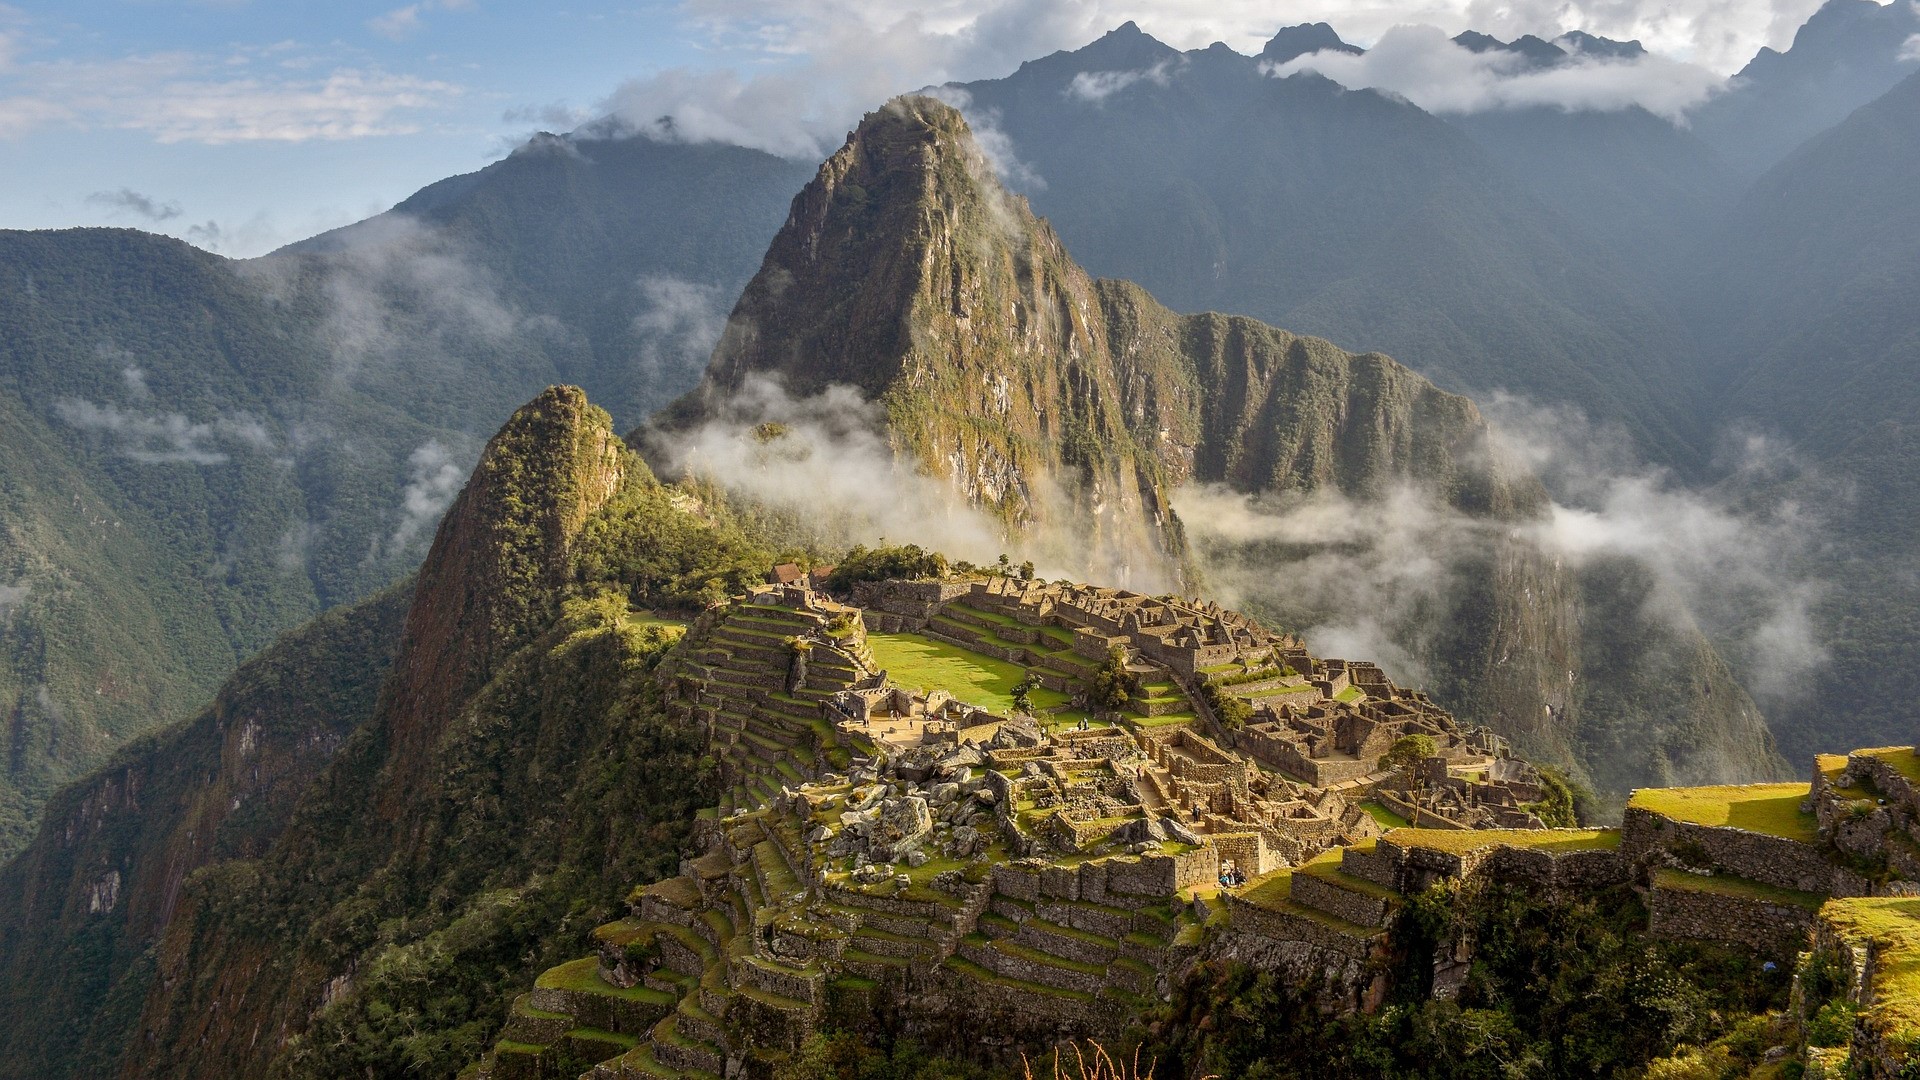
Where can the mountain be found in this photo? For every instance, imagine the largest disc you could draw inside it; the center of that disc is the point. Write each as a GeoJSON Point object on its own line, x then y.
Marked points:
{"type": "Point", "coordinates": [201, 453]}
{"type": "Point", "coordinates": [1343, 214]}
{"type": "Point", "coordinates": [1636, 185]}
{"type": "Point", "coordinates": [1292, 41]}
{"type": "Point", "coordinates": [182, 480]}
{"type": "Point", "coordinates": [615, 256]}
{"type": "Point", "coordinates": [1813, 291]}
{"type": "Point", "coordinates": [81, 908]}
{"type": "Point", "coordinates": [1076, 412]}
{"type": "Point", "coordinates": [514, 771]}
{"type": "Point", "coordinates": [1847, 54]}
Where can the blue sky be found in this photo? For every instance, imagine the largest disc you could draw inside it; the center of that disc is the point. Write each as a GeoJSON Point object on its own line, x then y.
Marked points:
{"type": "Point", "coordinates": [243, 124]}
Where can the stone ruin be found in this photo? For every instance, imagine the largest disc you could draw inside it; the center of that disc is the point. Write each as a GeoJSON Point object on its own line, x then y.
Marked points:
{"type": "Point", "coordinates": [1030, 878]}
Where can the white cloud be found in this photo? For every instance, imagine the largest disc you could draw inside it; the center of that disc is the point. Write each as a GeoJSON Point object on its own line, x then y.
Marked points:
{"type": "Point", "coordinates": [1422, 65]}
{"type": "Point", "coordinates": [12, 596]}
{"type": "Point", "coordinates": [1911, 50]}
{"type": "Point", "coordinates": [400, 292]}
{"type": "Point", "coordinates": [827, 466]}
{"type": "Point", "coordinates": [250, 96]}
{"type": "Point", "coordinates": [992, 140]}
{"type": "Point", "coordinates": [1097, 86]}
{"type": "Point", "coordinates": [815, 65]}
{"type": "Point", "coordinates": [435, 478]}
{"type": "Point", "coordinates": [133, 202]}
{"type": "Point", "coordinates": [403, 22]}
{"type": "Point", "coordinates": [166, 438]}
{"type": "Point", "coordinates": [1378, 578]}
{"type": "Point", "coordinates": [678, 324]}
{"type": "Point", "coordinates": [397, 24]}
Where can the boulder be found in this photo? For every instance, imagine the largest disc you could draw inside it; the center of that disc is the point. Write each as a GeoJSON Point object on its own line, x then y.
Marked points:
{"type": "Point", "coordinates": [901, 824]}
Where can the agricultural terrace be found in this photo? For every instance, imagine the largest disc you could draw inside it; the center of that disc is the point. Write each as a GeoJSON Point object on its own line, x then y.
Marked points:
{"type": "Point", "coordinates": [1773, 809]}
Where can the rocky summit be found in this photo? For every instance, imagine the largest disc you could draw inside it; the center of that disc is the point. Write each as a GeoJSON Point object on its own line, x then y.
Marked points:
{"type": "Point", "coordinates": [1074, 411]}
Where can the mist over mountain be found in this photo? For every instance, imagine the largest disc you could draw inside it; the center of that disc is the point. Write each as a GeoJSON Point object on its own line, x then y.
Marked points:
{"type": "Point", "coordinates": [1849, 53]}
{"type": "Point", "coordinates": [1813, 293]}
{"type": "Point", "coordinates": [1379, 226]}
{"type": "Point", "coordinates": [1102, 435]}
{"type": "Point", "coordinates": [1635, 486]}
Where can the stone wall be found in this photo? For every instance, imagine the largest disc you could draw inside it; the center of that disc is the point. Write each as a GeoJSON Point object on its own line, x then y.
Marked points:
{"type": "Point", "coordinates": [1777, 931]}
{"type": "Point", "coordinates": [1770, 860]}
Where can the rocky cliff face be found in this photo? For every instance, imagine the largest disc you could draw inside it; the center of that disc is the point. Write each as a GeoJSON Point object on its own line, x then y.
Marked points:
{"type": "Point", "coordinates": [82, 904]}
{"type": "Point", "coordinates": [257, 947]}
{"type": "Point", "coordinates": [1075, 410]}
{"type": "Point", "coordinates": [495, 563]}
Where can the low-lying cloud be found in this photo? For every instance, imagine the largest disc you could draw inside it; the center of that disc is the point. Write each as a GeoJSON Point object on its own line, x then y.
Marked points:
{"type": "Point", "coordinates": [824, 460]}
{"type": "Point", "coordinates": [1377, 578]}
{"type": "Point", "coordinates": [166, 438]}
{"type": "Point", "coordinates": [1424, 66]}
{"type": "Point", "coordinates": [1098, 86]}
{"type": "Point", "coordinates": [434, 478]}
{"type": "Point", "coordinates": [677, 326]}
{"type": "Point", "coordinates": [1911, 50]}
{"type": "Point", "coordinates": [135, 203]}
{"type": "Point", "coordinates": [825, 465]}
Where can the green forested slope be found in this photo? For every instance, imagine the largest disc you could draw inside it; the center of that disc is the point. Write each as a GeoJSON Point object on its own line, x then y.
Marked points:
{"type": "Point", "coordinates": [80, 909]}
{"type": "Point", "coordinates": [181, 482]}
{"type": "Point", "coordinates": [1814, 291]}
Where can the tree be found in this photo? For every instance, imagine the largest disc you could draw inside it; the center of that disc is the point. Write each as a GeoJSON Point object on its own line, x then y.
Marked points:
{"type": "Point", "coordinates": [1023, 694]}
{"type": "Point", "coordinates": [1026, 570]}
{"type": "Point", "coordinates": [1407, 750]}
{"type": "Point", "coordinates": [1112, 686]}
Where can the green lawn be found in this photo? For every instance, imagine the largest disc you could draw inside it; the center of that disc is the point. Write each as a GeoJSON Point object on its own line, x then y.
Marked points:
{"type": "Point", "coordinates": [1387, 818]}
{"type": "Point", "coordinates": [1773, 809]}
{"type": "Point", "coordinates": [1460, 841]}
{"type": "Point", "coordinates": [1901, 758]}
{"type": "Point", "coordinates": [921, 663]}
{"type": "Point", "coordinates": [648, 618]}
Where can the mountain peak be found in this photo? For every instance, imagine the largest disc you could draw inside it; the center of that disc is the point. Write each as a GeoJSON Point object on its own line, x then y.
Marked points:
{"type": "Point", "coordinates": [497, 554]}
{"type": "Point", "coordinates": [1537, 51]}
{"type": "Point", "coordinates": [1296, 41]}
{"type": "Point", "coordinates": [1585, 44]}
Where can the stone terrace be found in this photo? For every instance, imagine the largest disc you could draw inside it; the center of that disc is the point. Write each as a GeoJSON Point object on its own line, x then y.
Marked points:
{"type": "Point", "coordinates": [1035, 879]}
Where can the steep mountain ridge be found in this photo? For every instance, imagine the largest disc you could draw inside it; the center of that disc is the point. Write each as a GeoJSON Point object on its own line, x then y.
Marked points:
{"type": "Point", "coordinates": [1378, 226]}
{"type": "Point", "coordinates": [82, 905]}
{"type": "Point", "coordinates": [1813, 290]}
{"type": "Point", "coordinates": [1847, 53]}
{"type": "Point", "coordinates": [1075, 408]}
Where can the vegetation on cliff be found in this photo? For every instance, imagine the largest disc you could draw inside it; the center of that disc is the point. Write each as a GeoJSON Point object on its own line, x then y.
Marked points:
{"type": "Point", "coordinates": [1079, 413]}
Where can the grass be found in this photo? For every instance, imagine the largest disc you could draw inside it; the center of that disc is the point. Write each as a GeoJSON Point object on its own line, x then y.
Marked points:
{"type": "Point", "coordinates": [1773, 809]}
{"type": "Point", "coordinates": [1901, 758]}
{"type": "Point", "coordinates": [1892, 923]}
{"type": "Point", "coordinates": [922, 663]}
{"type": "Point", "coordinates": [1459, 842]}
{"type": "Point", "coordinates": [1386, 818]}
{"type": "Point", "coordinates": [1326, 867]}
{"type": "Point", "coordinates": [583, 976]}
{"type": "Point", "coordinates": [1734, 888]}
